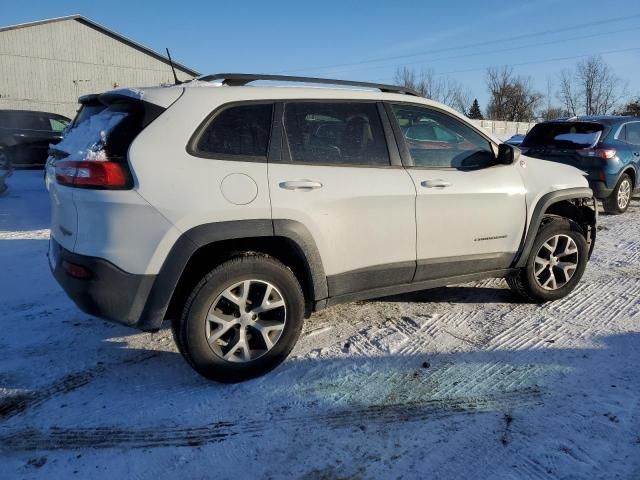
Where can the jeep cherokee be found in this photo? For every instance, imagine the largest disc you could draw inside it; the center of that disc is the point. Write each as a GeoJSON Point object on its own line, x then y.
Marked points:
{"type": "Point", "coordinates": [236, 211]}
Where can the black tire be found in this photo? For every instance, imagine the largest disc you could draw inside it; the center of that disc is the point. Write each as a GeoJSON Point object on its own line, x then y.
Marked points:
{"type": "Point", "coordinates": [5, 160]}
{"type": "Point", "coordinates": [190, 330]}
{"type": "Point", "coordinates": [611, 204]}
{"type": "Point", "coordinates": [525, 282]}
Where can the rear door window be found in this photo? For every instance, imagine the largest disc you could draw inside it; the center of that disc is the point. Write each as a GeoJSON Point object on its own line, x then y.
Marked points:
{"type": "Point", "coordinates": [238, 131]}
{"type": "Point", "coordinates": [564, 135]}
{"type": "Point", "coordinates": [338, 133]}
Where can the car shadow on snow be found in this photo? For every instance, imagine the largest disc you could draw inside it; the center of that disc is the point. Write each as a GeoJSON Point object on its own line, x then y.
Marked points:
{"type": "Point", "coordinates": [457, 294]}
{"type": "Point", "coordinates": [153, 399]}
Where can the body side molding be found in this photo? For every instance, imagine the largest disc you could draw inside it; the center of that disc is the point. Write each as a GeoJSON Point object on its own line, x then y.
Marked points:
{"type": "Point", "coordinates": [415, 286]}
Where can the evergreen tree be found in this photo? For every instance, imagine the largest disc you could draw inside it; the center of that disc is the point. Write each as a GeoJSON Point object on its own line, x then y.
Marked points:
{"type": "Point", "coordinates": [474, 111]}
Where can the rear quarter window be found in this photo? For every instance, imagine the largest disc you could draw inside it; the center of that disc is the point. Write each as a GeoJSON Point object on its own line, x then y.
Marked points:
{"type": "Point", "coordinates": [237, 131]}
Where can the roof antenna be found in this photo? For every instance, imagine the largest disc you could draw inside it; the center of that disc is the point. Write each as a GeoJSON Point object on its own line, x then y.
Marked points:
{"type": "Point", "coordinates": [175, 77]}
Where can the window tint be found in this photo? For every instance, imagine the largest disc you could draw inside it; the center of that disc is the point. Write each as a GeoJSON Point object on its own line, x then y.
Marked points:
{"type": "Point", "coordinates": [88, 110]}
{"type": "Point", "coordinates": [335, 133]}
{"type": "Point", "coordinates": [633, 133]}
{"type": "Point", "coordinates": [440, 141]}
{"type": "Point", "coordinates": [565, 135]}
{"type": "Point", "coordinates": [242, 130]}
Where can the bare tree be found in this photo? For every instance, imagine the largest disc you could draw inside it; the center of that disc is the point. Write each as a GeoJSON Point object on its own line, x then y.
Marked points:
{"type": "Point", "coordinates": [632, 108]}
{"type": "Point", "coordinates": [591, 88]}
{"type": "Point", "coordinates": [567, 92]}
{"type": "Point", "coordinates": [511, 97]}
{"type": "Point", "coordinates": [441, 89]}
{"type": "Point", "coordinates": [552, 113]}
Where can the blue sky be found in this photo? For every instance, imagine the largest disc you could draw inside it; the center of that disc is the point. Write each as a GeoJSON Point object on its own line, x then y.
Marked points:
{"type": "Point", "coordinates": [458, 38]}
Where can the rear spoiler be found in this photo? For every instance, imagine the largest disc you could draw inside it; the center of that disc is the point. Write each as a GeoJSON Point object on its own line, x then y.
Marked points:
{"type": "Point", "coordinates": [90, 98]}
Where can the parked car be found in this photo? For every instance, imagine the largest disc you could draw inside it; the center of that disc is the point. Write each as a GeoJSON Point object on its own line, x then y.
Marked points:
{"type": "Point", "coordinates": [607, 148]}
{"type": "Point", "coordinates": [25, 135]}
{"type": "Point", "coordinates": [181, 219]}
{"type": "Point", "coordinates": [515, 140]}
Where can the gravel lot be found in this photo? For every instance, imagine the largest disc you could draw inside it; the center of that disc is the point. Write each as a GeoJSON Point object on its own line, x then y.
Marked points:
{"type": "Point", "coordinates": [458, 382]}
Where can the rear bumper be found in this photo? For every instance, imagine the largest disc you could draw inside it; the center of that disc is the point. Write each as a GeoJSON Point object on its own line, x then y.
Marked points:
{"type": "Point", "coordinates": [600, 189]}
{"type": "Point", "coordinates": [109, 293]}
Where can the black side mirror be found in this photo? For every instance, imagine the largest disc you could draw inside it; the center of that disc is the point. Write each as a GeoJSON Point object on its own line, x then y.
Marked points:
{"type": "Point", "coordinates": [507, 154]}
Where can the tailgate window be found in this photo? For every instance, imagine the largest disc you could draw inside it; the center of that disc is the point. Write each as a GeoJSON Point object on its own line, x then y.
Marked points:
{"type": "Point", "coordinates": [564, 135]}
{"type": "Point", "coordinates": [105, 135]}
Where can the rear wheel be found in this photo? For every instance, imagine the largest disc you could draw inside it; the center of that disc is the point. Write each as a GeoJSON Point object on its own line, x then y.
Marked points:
{"type": "Point", "coordinates": [5, 160]}
{"type": "Point", "coordinates": [620, 198]}
{"type": "Point", "coordinates": [241, 320]}
{"type": "Point", "coordinates": [556, 263]}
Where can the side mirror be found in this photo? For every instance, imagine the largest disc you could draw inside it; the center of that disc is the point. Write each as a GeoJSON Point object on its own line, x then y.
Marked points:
{"type": "Point", "coordinates": [507, 154]}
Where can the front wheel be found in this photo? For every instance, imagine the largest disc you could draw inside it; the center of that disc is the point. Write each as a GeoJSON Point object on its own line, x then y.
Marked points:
{"type": "Point", "coordinates": [556, 263]}
{"type": "Point", "coordinates": [620, 198]}
{"type": "Point", "coordinates": [241, 320]}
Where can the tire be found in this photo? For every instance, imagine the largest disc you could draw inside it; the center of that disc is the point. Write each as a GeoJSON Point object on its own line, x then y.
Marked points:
{"type": "Point", "coordinates": [620, 198]}
{"type": "Point", "coordinates": [533, 282]}
{"type": "Point", "coordinates": [226, 344]}
{"type": "Point", "coordinates": [5, 161]}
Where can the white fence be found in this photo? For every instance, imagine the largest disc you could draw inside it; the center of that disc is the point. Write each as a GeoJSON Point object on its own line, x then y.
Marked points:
{"type": "Point", "coordinates": [504, 130]}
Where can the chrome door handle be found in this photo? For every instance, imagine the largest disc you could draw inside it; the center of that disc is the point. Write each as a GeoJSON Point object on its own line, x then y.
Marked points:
{"type": "Point", "coordinates": [435, 183]}
{"type": "Point", "coordinates": [304, 185]}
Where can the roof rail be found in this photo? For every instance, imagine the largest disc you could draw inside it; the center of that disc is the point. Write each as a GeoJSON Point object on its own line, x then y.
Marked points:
{"type": "Point", "coordinates": [241, 79]}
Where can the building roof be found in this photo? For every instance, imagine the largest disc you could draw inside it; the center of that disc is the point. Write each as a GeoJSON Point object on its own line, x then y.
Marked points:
{"type": "Point", "coordinates": [108, 32]}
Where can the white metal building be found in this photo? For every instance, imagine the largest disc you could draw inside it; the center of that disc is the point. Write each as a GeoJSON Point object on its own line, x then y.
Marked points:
{"type": "Point", "coordinates": [47, 65]}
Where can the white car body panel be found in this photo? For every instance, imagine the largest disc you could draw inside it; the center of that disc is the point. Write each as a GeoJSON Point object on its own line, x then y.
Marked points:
{"type": "Point", "coordinates": [542, 177]}
{"type": "Point", "coordinates": [360, 217]}
{"type": "Point", "coordinates": [480, 212]}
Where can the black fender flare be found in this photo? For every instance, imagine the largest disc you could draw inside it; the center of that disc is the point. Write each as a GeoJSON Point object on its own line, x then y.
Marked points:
{"type": "Point", "coordinates": [192, 240]}
{"type": "Point", "coordinates": [539, 210]}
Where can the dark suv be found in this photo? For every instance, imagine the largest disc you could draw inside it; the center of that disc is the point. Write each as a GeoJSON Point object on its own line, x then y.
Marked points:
{"type": "Point", "coordinates": [25, 136]}
{"type": "Point", "coordinates": [607, 148]}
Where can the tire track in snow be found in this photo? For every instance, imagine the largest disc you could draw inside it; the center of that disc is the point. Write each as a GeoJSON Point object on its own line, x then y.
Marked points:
{"type": "Point", "coordinates": [17, 403]}
{"type": "Point", "coordinates": [105, 437]}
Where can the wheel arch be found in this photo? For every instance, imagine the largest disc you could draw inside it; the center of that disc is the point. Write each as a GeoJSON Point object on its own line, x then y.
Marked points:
{"type": "Point", "coordinates": [631, 171]}
{"type": "Point", "coordinates": [200, 249]}
{"type": "Point", "coordinates": [577, 204]}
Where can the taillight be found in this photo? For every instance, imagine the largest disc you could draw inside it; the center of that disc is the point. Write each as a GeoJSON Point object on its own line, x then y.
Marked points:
{"type": "Point", "coordinates": [93, 174]}
{"type": "Point", "coordinates": [604, 153]}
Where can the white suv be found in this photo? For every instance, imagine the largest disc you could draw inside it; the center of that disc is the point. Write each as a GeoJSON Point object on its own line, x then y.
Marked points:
{"type": "Point", "coordinates": [237, 211]}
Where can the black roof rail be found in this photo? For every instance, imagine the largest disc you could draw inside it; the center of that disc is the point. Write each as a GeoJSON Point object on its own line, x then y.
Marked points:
{"type": "Point", "coordinates": [241, 79]}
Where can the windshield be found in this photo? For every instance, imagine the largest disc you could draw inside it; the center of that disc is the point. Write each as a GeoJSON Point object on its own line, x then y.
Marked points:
{"type": "Point", "coordinates": [568, 135]}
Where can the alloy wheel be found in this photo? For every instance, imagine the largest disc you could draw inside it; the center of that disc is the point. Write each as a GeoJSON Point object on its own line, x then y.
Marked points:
{"type": "Point", "coordinates": [556, 262]}
{"type": "Point", "coordinates": [246, 320]}
{"type": "Point", "coordinates": [624, 194]}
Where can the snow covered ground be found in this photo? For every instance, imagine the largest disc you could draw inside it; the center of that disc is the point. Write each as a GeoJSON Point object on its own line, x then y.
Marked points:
{"type": "Point", "coordinates": [458, 382]}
